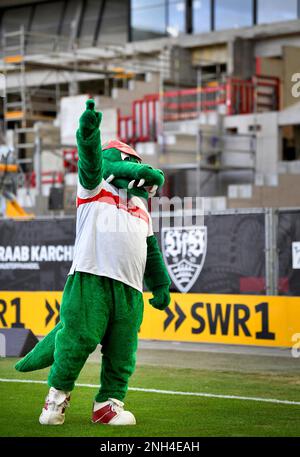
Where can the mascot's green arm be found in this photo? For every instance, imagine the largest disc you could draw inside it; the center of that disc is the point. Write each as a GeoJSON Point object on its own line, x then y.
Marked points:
{"type": "Point", "coordinates": [156, 274]}
{"type": "Point", "coordinates": [89, 147]}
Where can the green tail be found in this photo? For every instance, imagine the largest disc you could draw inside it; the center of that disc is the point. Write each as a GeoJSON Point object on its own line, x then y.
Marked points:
{"type": "Point", "coordinates": [42, 355]}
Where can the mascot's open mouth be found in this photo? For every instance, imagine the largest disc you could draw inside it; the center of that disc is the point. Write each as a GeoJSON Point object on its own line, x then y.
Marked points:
{"type": "Point", "coordinates": [138, 184]}
{"type": "Point", "coordinates": [125, 171]}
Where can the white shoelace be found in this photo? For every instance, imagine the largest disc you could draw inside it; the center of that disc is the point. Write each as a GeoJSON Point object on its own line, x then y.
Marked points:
{"type": "Point", "coordinates": [54, 406]}
{"type": "Point", "coordinates": [116, 405]}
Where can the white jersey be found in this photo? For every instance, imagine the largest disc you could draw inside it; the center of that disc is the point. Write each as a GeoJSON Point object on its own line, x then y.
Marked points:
{"type": "Point", "coordinates": [111, 234]}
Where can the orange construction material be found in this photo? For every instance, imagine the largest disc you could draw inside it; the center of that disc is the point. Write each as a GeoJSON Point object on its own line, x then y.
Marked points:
{"type": "Point", "coordinates": [15, 211]}
{"type": "Point", "coordinates": [10, 168]}
{"type": "Point", "coordinates": [14, 115]}
{"type": "Point", "coordinates": [13, 59]}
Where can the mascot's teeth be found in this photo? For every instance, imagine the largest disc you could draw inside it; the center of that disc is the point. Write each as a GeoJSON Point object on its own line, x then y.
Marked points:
{"type": "Point", "coordinates": [153, 188]}
{"type": "Point", "coordinates": [141, 183]}
{"type": "Point", "coordinates": [110, 178]}
{"type": "Point", "coordinates": [131, 184]}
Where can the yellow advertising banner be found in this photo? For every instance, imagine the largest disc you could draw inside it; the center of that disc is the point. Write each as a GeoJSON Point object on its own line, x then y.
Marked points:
{"type": "Point", "coordinates": [38, 311]}
{"type": "Point", "coordinates": [227, 319]}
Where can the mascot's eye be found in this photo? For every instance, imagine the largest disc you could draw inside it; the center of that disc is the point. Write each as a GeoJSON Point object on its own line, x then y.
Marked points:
{"type": "Point", "coordinates": [125, 156]}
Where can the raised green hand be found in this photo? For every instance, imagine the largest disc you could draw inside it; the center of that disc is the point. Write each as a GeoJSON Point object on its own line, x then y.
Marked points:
{"type": "Point", "coordinates": [90, 120]}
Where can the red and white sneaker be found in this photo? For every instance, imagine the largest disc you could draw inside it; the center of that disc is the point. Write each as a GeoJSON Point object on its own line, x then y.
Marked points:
{"type": "Point", "coordinates": [53, 412]}
{"type": "Point", "coordinates": [111, 412]}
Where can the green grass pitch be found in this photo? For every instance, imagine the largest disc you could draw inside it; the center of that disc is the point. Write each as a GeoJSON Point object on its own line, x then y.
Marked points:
{"type": "Point", "coordinates": [158, 414]}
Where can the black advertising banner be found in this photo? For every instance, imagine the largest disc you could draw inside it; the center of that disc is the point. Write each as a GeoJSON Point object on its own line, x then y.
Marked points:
{"type": "Point", "coordinates": [37, 254]}
{"type": "Point", "coordinates": [225, 255]}
{"type": "Point", "coordinates": [288, 243]}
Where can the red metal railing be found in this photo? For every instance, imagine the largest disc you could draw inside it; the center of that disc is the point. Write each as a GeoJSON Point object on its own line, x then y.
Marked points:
{"type": "Point", "coordinates": [260, 93]}
{"type": "Point", "coordinates": [70, 160]}
{"type": "Point", "coordinates": [125, 127]}
{"type": "Point", "coordinates": [48, 177]}
{"type": "Point", "coordinates": [237, 96]}
{"type": "Point", "coordinates": [267, 92]}
{"type": "Point", "coordinates": [143, 124]}
{"type": "Point", "coordinates": [145, 115]}
{"type": "Point", "coordinates": [189, 103]}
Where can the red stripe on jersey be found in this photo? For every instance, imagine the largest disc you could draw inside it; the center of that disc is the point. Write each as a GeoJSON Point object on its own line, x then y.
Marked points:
{"type": "Point", "coordinates": [107, 197]}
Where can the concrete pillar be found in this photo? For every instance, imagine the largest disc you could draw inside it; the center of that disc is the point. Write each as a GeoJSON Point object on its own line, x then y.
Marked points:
{"type": "Point", "coordinates": [241, 59]}
{"type": "Point", "coordinates": [73, 88]}
{"type": "Point", "coordinates": [268, 147]}
{"type": "Point", "coordinates": [182, 71]}
{"type": "Point", "coordinates": [297, 140]}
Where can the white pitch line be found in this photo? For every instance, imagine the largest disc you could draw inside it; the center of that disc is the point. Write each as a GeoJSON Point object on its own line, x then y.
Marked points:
{"type": "Point", "coordinates": [172, 392]}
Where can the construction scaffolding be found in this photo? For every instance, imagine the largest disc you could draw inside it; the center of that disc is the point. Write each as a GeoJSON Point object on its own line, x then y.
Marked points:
{"type": "Point", "coordinates": [181, 121]}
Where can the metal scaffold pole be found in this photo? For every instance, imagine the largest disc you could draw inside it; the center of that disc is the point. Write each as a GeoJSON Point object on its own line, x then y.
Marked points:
{"type": "Point", "coordinates": [198, 152]}
{"type": "Point", "coordinates": [37, 159]}
{"type": "Point", "coordinates": [271, 251]}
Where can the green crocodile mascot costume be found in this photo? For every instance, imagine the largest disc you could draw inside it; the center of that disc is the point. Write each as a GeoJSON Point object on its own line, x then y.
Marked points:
{"type": "Point", "coordinates": [115, 250]}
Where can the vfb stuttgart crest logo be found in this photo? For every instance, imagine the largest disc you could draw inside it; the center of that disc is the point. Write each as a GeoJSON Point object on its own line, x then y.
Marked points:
{"type": "Point", "coordinates": [184, 251]}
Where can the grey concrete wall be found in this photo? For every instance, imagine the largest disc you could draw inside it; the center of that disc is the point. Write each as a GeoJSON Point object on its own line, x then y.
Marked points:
{"type": "Point", "coordinates": [286, 194]}
{"type": "Point", "coordinates": [267, 140]}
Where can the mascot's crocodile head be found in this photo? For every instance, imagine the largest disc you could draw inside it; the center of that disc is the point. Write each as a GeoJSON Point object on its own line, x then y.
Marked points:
{"type": "Point", "coordinates": [122, 167]}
